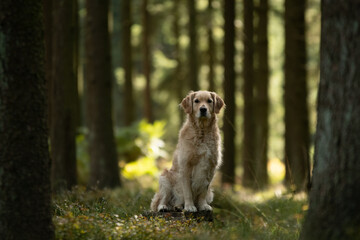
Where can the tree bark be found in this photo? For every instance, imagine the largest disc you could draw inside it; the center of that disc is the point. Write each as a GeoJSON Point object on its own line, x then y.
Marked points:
{"type": "Point", "coordinates": [228, 168]}
{"type": "Point", "coordinates": [127, 62]}
{"type": "Point", "coordinates": [249, 178]}
{"type": "Point", "coordinates": [193, 61]}
{"type": "Point", "coordinates": [296, 109]}
{"type": "Point", "coordinates": [104, 171]}
{"type": "Point", "coordinates": [262, 97]}
{"type": "Point", "coordinates": [147, 62]}
{"type": "Point", "coordinates": [64, 98]}
{"type": "Point", "coordinates": [25, 209]}
{"type": "Point", "coordinates": [335, 194]}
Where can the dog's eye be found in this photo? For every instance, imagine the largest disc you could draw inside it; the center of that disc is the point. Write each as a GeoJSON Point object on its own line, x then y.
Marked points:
{"type": "Point", "coordinates": [209, 100]}
{"type": "Point", "coordinates": [196, 101]}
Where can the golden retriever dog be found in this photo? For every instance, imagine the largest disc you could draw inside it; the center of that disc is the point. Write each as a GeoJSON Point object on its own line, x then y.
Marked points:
{"type": "Point", "coordinates": [186, 186]}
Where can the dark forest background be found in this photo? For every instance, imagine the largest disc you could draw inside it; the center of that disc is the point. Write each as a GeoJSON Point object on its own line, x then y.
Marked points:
{"type": "Point", "coordinates": [160, 50]}
{"type": "Point", "coordinates": [89, 115]}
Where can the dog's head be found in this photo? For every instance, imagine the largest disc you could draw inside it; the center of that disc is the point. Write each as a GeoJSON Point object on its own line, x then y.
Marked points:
{"type": "Point", "coordinates": [202, 104]}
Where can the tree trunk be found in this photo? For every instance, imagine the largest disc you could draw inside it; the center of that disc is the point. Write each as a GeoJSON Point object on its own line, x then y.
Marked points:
{"type": "Point", "coordinates": [127, 62]}
{"type": "Point", "coordinates": [104, 171]}
{"type": "Point", "coordinates": [262, 97]}
{"type": "Point", "coordinates": [296, 109]}
{"type": "Point", "coordinates": [193, 62]}
{"type": "Point", "coordinates": [228, 168]}
{"type": "Point", "coordinates": [64, 98]}
{"type": "Point", "coordinates": [335, 194]}
{"type": "Point", "coordinates": [116, 43]}
{"type": "Point", "coordinates": [47, 20]}
{"type": "Point", "coordinates": [25, 209]}
{"type": "Point", "coordinates": [147, 61]}
{"type": "Point", "coordinates": [211, 48]}
{"type": "Point", "coordinates": [249, 179]}
{"type": "Point", "coordinates": [178, 73]}
{"type": "Point", "coordinates": [75, 27]}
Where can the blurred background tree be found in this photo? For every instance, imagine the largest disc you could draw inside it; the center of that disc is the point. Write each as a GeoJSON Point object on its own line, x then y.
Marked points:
{"type": "Point", "coordinates": [104, 170]}
{"type": "Point", "coordinates": [64, 95]}
{"type": "Point", "coordinates": [228, 168]}
{"type": "Point", "coordinates": [261, 93]}
{"type": "Point", "coordinates": [160, 50]}
{"type": "Point", "coordinates": [249, 178]}
{"type": "Point", "coordinates": [127, 59]}
{"type": "Point", "coordinates": [296, 107]}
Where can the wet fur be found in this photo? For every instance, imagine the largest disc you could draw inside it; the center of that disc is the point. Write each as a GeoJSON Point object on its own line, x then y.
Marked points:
{"type": "Point", "coordinates": [197, 156]}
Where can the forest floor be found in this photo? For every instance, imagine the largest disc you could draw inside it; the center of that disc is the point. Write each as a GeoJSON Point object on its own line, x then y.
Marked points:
{"type": "Point", "coordinates": [118, 214]}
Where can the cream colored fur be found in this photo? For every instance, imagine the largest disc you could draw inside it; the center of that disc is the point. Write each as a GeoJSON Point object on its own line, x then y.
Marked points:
{"type": "Point", "coordinates": [197, 156]}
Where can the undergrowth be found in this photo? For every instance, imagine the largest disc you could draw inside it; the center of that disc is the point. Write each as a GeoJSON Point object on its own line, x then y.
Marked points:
{"type": "Point", "coordinates": [117, 214]}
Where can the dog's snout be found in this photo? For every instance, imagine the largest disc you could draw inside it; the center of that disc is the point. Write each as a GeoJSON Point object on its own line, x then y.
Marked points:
{"type": "Point", "coordinates": [203, 109]}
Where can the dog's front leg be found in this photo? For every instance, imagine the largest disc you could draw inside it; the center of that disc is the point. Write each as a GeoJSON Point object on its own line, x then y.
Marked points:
{"type": "Point", "coordinates": [186, 185]}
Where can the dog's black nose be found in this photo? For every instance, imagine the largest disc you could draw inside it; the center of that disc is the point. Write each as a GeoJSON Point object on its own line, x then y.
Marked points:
{"type": "Point", "coordinates": [203, 110]}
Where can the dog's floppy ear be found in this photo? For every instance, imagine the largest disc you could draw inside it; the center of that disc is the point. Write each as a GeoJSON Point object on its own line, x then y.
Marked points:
{"type": "Point", "coordinates": [186, 103]}
{"type": "Point", "coordinates": [218, 102]}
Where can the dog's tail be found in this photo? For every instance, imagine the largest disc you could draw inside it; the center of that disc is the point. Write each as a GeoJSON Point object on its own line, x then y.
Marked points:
{"type": "Point", "coordinates": [155, 202]}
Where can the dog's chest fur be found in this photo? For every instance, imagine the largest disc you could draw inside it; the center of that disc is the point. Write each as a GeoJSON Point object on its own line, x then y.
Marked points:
{"type": "Point", "coordinates": [205, 149]}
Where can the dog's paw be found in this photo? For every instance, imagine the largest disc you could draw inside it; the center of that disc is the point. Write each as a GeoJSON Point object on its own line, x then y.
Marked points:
{"type": "Point", "coordinates": [205, 207]}
{"type": "Point", "coordinates": [190, 208]}
{"type": "Point", "coordinates": [163, 208]}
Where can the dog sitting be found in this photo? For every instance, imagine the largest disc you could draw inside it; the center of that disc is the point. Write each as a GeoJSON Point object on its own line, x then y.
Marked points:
{"type": "Point", "coordinates": [186, 186]}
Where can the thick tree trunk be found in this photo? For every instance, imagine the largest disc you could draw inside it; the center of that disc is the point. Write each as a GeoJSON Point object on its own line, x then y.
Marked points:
{"type": "Point", "coordinates": [192, 56]}
{"type": "Point", "coordinates": [249, 179]}
{"type": "Point", "coordinates": [127, 62]}
{"type": "Point", "coordinates": [104, 171]}
{"type": "Point", "coordinates": [335, 194]}
{"type": "Point", "coordinates": [228, 168]}
{"type": "Point", "coordinates": [147, 62]}
{"type": "Point", "coordinates": [262, 97]}
{"type": "Point", "coordinates": [296, 109]}
{"type": "Point", "coordinates": [64, 98]}
{"type": "Point", "coordinates": [25, 209]}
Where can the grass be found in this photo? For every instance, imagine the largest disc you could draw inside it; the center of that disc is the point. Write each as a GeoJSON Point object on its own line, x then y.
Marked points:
{"type": "Point", "coordinates": [116, 214]}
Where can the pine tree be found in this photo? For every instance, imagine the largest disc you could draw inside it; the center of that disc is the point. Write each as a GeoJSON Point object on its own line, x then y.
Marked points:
{"type": "Point", "coordinates": [296, 109]}
{"type": "Point", "coordinates": [104, 170]}
{"type": "Point", "coordinates": [63, 97]}
{"type": "Point", "coordinates": [335, 194]}
{"type": "Point", "coordinates": [249, 178]}
{"type": "Point", "coordinates": [25, 209]}
{"type": "Point", "coordinates": [228, 168]}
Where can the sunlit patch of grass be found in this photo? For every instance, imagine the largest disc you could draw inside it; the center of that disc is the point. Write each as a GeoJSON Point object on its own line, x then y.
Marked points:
{"type": "Point", "coordinates": [117, 214]}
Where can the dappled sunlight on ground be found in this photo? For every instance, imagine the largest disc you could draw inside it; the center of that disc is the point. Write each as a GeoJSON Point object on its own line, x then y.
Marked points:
{"type": "Point", "coordinates": [117, 214]}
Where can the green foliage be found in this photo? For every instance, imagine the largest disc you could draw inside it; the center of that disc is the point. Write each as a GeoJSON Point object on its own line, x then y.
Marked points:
{"type": "Point", "coordinates": [143, 139]}
{"type": "Point", "coordinates": [139, 147]}
{"type": "Point", "coordinates": [117, 214]}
